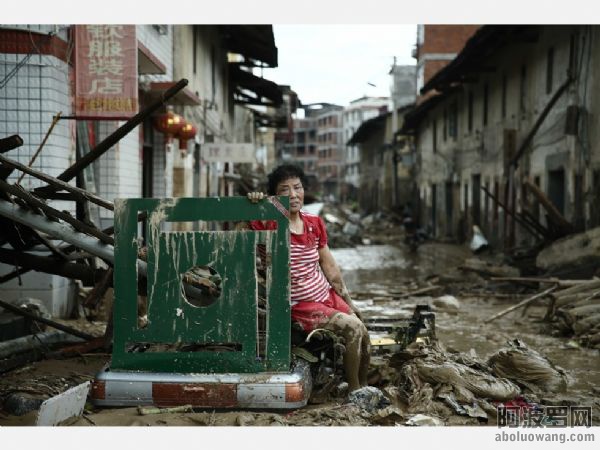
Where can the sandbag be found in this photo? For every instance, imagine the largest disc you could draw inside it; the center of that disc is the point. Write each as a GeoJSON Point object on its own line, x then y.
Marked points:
{"type": "Point", "coordinates": [481, 384]}
{"type": "Point", "coordinates": [528, 368]}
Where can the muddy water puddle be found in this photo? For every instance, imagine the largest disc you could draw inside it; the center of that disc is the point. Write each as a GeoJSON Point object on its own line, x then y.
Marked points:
{"type": "Point", "coordinates": [387, 268]}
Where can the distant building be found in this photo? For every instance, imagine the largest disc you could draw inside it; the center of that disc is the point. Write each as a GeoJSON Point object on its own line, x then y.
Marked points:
{"type": "Point", "coordinates": [359, 111]}
{"type": "Point", "coordinates": [385, 167]}
{"type": "Point", "coordinates": [301, 149]}
{"type": "Point", "coordinates": [330, 148]}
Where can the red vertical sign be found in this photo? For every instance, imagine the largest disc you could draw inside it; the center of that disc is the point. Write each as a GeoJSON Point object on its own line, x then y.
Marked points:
{"type": "Point", "coordinates": [106, 83]}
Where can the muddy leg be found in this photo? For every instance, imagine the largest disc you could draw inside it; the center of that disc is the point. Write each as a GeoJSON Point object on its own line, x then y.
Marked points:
{"type": "Point", "coordinates": [365, 357]}
{"type": "Point", "coordinates": [353, 332]}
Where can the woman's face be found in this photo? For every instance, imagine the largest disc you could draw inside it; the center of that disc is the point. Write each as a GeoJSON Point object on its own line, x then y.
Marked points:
{"type": "Point", "coordinates": [294, 189]}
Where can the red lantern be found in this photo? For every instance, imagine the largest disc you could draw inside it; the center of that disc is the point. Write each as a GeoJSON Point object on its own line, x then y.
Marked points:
{"type": "Point", "coordinates": [169, 123]}
{"type": "Point", "coordinates": [188, 131]}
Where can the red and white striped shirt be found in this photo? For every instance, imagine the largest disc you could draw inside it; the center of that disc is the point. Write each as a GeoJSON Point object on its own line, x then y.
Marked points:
{"type": "Point", "coordinates": [308, 283]}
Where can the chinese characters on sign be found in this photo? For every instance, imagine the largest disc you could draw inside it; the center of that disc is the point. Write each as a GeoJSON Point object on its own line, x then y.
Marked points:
{"type": "Point", "coordinates": [544, 417]}
{"type": "Point", "coordinates": [106, 71]}
{"type": "Point", "coordinates": [223, 152]}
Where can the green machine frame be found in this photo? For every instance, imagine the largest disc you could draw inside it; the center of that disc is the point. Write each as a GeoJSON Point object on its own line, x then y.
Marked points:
{"type": "Point", "coordinates": [230, 320]}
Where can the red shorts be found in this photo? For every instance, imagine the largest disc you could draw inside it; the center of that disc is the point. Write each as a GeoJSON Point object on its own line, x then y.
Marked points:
{"type": "Point", "coordinates": [312, 314]}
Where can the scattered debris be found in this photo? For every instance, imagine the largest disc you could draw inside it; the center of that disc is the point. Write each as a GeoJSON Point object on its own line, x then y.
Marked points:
{"type": "Point", "coordinates": [447, 302]}
{"type": "Point", "coordinates": [478, 242]}
{"type": "Point", "coordinates": [488, 269]}
{"type": "Point", "coordinates": [419, 420]}
{"type": "Point", "coordinates": [368, 398]}
{"type": "Point", "coordinates": [146, 410]}
{"type": "Point", "coordinates": [64, 406]}
{"type": "Point", "coordinates": [528, 368]}
{"type": "Point", "coordinates": [576, 256]}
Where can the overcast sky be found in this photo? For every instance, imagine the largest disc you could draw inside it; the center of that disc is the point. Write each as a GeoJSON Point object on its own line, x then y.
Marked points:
{"type": "Point", "coordinates": [335, 63]}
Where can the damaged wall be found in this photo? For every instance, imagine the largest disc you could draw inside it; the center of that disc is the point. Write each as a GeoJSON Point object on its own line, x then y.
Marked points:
{"type": "Point", "coordinates": [471, 151]}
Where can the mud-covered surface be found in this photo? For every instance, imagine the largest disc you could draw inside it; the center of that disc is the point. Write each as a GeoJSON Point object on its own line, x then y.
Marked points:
{"type": "Point", "coordinates": [371, 272]}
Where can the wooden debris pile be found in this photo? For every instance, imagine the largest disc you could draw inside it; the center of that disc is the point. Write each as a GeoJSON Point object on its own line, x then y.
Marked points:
{"type": "Point", "coordinates": [35, 236]}
{"type": "Point", "coordinates": [573, 307]}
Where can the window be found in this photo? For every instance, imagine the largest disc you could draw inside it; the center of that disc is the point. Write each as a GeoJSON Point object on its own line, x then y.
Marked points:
{"type": "Point", "coordinates": [523, 90]}
{"type": "Point", "coordinates": [486, 91]}
{"type": "Point", "coordinates": [549, 70]}
{"type": "Point", "coordinates": [470, 112]}
{"type": "Point", "coordinates": [453, 120]}
{"type": "Point", "coordinates": [434, 136]}
{"type": "Point", "coordinates": [503, 102]}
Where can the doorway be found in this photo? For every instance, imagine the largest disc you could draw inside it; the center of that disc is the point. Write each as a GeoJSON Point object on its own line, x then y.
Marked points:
{"type": "Point", "coordinates": [556, 189]}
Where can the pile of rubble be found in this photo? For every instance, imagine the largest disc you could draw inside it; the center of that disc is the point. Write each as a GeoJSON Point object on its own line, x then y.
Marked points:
{"type": "Point", "coordinates": [575, 311]}
{"type": "Point", "coordinates": [346, 228]}
{"type": "Point", "coordinates": [450, 388]}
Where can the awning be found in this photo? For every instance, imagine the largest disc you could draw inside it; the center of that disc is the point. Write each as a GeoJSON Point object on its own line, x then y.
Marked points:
{"type": "Point", "coordinates": [262, 88]}
{"type": "Point", "coordinates": [475, 55]}
{"type": "Point", "coordinates": [184, 97]}
{"type": "Point", "coordinates": [270, 121]}
{"type": "Point", "coordinates": [367, 128]}
{"type": "Point", "coordinates": [254, 42]}
{"type": "Point", "coordinates": [148, 63]}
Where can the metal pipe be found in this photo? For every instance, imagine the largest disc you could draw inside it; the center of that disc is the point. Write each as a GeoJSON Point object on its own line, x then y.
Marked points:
{"type": "Point", "coordinates": [80, 194]}
{"type": "Point", "coordinates": [68, 234]}
{"type": "Point", "coordinates": [57, 230]}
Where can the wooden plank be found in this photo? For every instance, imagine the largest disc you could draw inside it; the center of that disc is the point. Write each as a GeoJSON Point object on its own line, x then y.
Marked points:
{"type": "Point", "coordinates": [51, 323]}
{"type": "Point", "coordinates": [563, 224]}
{"type": "Point", "coordinates": [521, 304]}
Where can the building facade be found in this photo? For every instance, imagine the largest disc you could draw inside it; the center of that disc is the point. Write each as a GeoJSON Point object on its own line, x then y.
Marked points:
{"type": "Point", "coordinates": [436, 46]}
{"type": "Point", "coordinates": [330, 149]}
{"type": "Point", "coordinates": [516, 106]}
{"type": "Point", "coordinates": [37, 82]}
{"type": "Point", "coordinates": [359, 111]}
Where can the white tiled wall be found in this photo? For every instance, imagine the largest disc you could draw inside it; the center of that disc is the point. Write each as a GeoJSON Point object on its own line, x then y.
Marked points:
{"type": "Point", "coordinates": [28, 102]}
{"type": "Point", "coordinates": [160, 45]}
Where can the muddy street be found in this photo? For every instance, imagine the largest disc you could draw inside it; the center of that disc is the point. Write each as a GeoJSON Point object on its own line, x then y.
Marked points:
{"type": "Point", "coordinates": [371, 273]}
{"type": "Point", "coordinates": [464, 329]}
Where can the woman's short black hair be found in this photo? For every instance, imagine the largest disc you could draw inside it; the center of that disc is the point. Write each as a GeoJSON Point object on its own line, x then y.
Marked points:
{"type": "Point", "coordinates": [282, 173]}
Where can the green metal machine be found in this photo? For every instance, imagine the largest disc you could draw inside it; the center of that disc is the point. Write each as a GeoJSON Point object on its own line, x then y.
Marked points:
{"type": "Point", "coordinates": [233, 351]}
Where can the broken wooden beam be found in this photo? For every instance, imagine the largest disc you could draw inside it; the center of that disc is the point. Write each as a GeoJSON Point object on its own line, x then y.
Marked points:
{"type": "Point", "coordinates": [48, 264]}
{"type": "Point", "coordinates": [521, 222]}
{"type": "Point", "coordinates": [551, 280]}
{"type": "Point", "coordinates": [50, 323]}
{"type": "Point", "coordinates": [521, 304]}
{"type": "Point", "coordinates": [77, 193]}
{"type": "Point", "coordinates": [19, 192]}
{"type": "Point", "coordinates": [564, 226]}
{"type": "Point", "coordinates": [9, 143]}
{"type": "Point", "coordinates": [96, 294]}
